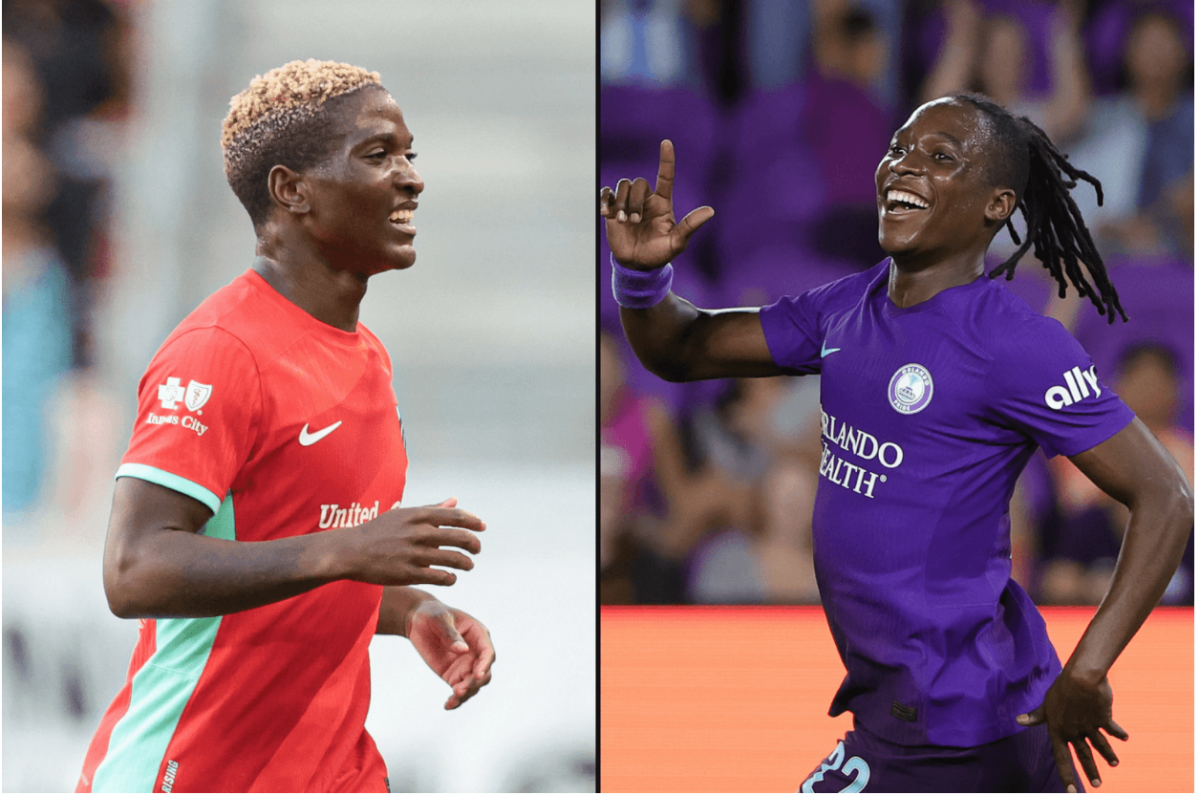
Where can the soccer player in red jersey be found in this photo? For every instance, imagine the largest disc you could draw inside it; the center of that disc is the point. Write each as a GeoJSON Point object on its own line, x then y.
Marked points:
{"type": "Point", "coordinates": [256, 530]}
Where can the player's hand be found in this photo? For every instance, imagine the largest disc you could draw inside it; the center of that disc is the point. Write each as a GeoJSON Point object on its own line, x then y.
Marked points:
{"type": "Point", "coordinates": [402, 546]}
{"type": "Point", "coordinates": [456, 646]}
{"type": "Point", "coordinates": [1075, 710]}
{"type": "Point", "coordinates": [640, 225]}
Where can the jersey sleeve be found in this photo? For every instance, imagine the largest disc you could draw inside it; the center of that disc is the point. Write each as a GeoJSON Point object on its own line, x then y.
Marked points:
{"type": "Point", "coordinates": [199, 406]}
{"type": "Point", "coordinates": [791, 326]}
{"type": "Point", "coordinates": [1045, 386]}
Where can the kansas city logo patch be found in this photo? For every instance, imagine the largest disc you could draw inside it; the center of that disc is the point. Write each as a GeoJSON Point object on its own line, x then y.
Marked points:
{"type": "Point", "coordinates": [197, 395]}
{"type": "Point", "coordinates": [170, 393]}
{"type": "Point", "coordinates": [194, 396]}
{"type": "Point", "coordinates": [911, 389]}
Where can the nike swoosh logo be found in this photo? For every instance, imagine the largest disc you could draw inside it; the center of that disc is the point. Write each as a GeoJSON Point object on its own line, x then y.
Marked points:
{"type": "Point", "coordinates": [307, 438]}
{"type": "Point", "coordinates": [826, 351]}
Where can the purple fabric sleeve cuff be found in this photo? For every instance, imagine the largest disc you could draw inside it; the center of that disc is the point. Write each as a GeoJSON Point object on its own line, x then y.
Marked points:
{"type": "Point", "coordinates": [640, 289]}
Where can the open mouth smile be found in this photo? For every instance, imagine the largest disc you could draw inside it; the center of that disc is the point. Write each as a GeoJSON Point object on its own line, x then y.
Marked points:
{"type": "Point", "coordinates": [900, 202]}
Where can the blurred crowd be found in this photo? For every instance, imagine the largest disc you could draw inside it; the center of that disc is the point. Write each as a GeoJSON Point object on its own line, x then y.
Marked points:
{"type": "Point", "coordinates": [780, 112]}
{"type": "Point", "coordinates": [66, 81]}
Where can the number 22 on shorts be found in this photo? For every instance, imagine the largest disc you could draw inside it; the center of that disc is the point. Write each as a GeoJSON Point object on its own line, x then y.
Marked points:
{"type": "Point", "coordinates": [854, 766]}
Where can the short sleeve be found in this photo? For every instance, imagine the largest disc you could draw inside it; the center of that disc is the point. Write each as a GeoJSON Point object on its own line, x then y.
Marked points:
{"type": "Point", "coordinates": [1045, 386]}
{"type": "Point", "coordinates": [791, 326]}
{"type": "Point", "coordinates": [199, 406]}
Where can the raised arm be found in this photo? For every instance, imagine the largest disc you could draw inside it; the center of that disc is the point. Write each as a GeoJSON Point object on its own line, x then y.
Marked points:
{"type": "Point", "coordinates": [157, 565]}
{"type": "Point", "coordinates": [674, 339]}
{"type": "Point", "coordinates": [956, 58]}
{"type": "Point", "coordinates": [1135, 469]}
{"type": "Point", "coordinates": [1068, 106]}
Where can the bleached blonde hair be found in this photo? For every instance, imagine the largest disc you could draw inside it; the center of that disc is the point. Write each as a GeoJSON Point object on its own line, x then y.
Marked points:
{"type": "Point", "coordinates": [283, 118]}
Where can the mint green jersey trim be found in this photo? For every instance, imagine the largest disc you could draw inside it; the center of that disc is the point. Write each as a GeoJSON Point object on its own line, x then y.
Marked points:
{"type": "Point", "coordinates": [161, 689]}
{"type": "Point", "coordinates": [174, 482]}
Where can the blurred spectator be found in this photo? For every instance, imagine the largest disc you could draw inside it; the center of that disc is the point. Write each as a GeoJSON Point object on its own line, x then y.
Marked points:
{"type": "Point", "coordinates": [846, 128]}
{"type": "Point", "coordinates": [800, 181]}
{"type": "Point", "coordinates": [992, 55]}
{"type": "Point", "coordinates": [733, 440]}
{"type": "Point", "coordinates": [778, 37]}
{"type": "Point", "coordinates": [1148, 189]}
{"type": "Point", "coordinates": [1158, 90]}
{"type": "Point", "coordinates": [36, 320]}
{"type": "Point", "coordinates": [79, 50]}
{"type": "Point", "coordinates": [1092, 523]}
{"type": "Point", "coordinates": [647, 515]}
{"type": "Point", "coordinates": [787, 493]}
{"type": "Point", "coordinates": [66, 95]}
{"type": "Point", "coordinates": [646, 42]}
{"type": "Point", "coordinates": [23, 93]}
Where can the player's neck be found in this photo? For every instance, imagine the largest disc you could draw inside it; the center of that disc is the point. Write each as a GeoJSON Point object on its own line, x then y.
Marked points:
{"type": "Point", "coordinates": [911, 282]}
{"type": "Point", "coordinates": [331, 296]}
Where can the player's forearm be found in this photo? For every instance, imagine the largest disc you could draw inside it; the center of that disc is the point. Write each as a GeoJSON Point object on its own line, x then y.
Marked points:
{"type": "Point", "coordinates": [659, 335]}
{"type": "Point", "coordinates": [1160, 522]}
{"type": "Point", "coordinates": [399, 602]}
{"type": "Point", "coordinates": [175, 574]}
{"type": "Point", "coordinates": [678, 342]}
{"type": "Point", "coordinates": [952, 69]}
{"type": "Point", "coordinates": [1069, 103]}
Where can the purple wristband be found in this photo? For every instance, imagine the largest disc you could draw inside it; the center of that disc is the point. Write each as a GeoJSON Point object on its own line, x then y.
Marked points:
{"type": "Point", "coordinates": [640, 289]}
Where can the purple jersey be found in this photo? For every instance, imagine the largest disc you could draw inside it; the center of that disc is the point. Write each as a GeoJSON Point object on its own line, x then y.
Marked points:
{"type": "Point", "coordinates": [929, 414]}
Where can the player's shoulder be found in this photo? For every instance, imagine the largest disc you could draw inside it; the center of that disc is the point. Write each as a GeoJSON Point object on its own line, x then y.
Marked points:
{"type": "Point", "coordinates": [852, 287]}
{"type": "Point", "coordinates": [242, 316]}
{"type": "Point", "coordinates": [372, 341]}
{"type": "Point", "coordinates": [1017, 338]}
{"type": "Point", "coordinates": [1005, 325]}
{"type": "Point", "coordinates": [840, 293]}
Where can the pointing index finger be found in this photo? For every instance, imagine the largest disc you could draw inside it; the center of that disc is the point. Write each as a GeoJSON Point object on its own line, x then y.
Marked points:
{"type": "Point", "coordinates": [666, 170]}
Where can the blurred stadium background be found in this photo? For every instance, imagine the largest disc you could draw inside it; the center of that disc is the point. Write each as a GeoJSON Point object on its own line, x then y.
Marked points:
{"type": "Point", "coordinates": [118, 222]}
{"type": "Point", "coordinates": [780, 112]}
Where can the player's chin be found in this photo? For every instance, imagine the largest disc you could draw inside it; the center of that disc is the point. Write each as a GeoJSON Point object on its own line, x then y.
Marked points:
{"type": "Point", "coordinates": [897, 238]}
{"type": "Point", "coordinates": [400, 257]}
{"type": "Point", "coordinates": [895, 244]}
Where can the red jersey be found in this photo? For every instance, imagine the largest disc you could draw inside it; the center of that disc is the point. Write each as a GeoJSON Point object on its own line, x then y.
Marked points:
{"type": "Point", "coordinates": [282, 425]}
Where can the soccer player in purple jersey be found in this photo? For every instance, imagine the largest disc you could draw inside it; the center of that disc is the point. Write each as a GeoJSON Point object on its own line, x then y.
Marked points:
{"type": "Point", "coordinates": [938, 384]}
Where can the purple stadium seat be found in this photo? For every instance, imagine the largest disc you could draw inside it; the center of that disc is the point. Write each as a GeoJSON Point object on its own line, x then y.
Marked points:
{"type": "Point", "coordinates": [1158, 298]}
{"type": "Point", "coordinates": [634, 120]}
{"type": "Point", "coordinates": [848, 132]}
{"type": "Point", "coordinates": [768, 205]}
{"type": "Point", "coordinates": [767, 121]}
{"type": "Point", "coordinates": [774, 190]}
{"type": "Point", "coordinates": [771, 272]}
{"type": "Point", "coordinates": [1033, 285]}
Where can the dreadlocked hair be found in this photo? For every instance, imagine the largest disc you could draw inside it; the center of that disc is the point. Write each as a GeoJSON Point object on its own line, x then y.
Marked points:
{"type": "Point", "coordinates": [1043, 178]}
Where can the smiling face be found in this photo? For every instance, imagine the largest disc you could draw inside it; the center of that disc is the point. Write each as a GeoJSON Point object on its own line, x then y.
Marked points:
{"type": "Point", "coordinates": [361, 199]}
{"type": "Point", "coordinates": [934, 198]}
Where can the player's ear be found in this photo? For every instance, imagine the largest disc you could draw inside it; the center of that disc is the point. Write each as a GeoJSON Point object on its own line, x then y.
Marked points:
{"type": "Point", "coordinates": [288, 190]}
{"type": "Point", "coordinates": [1002, 205]}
